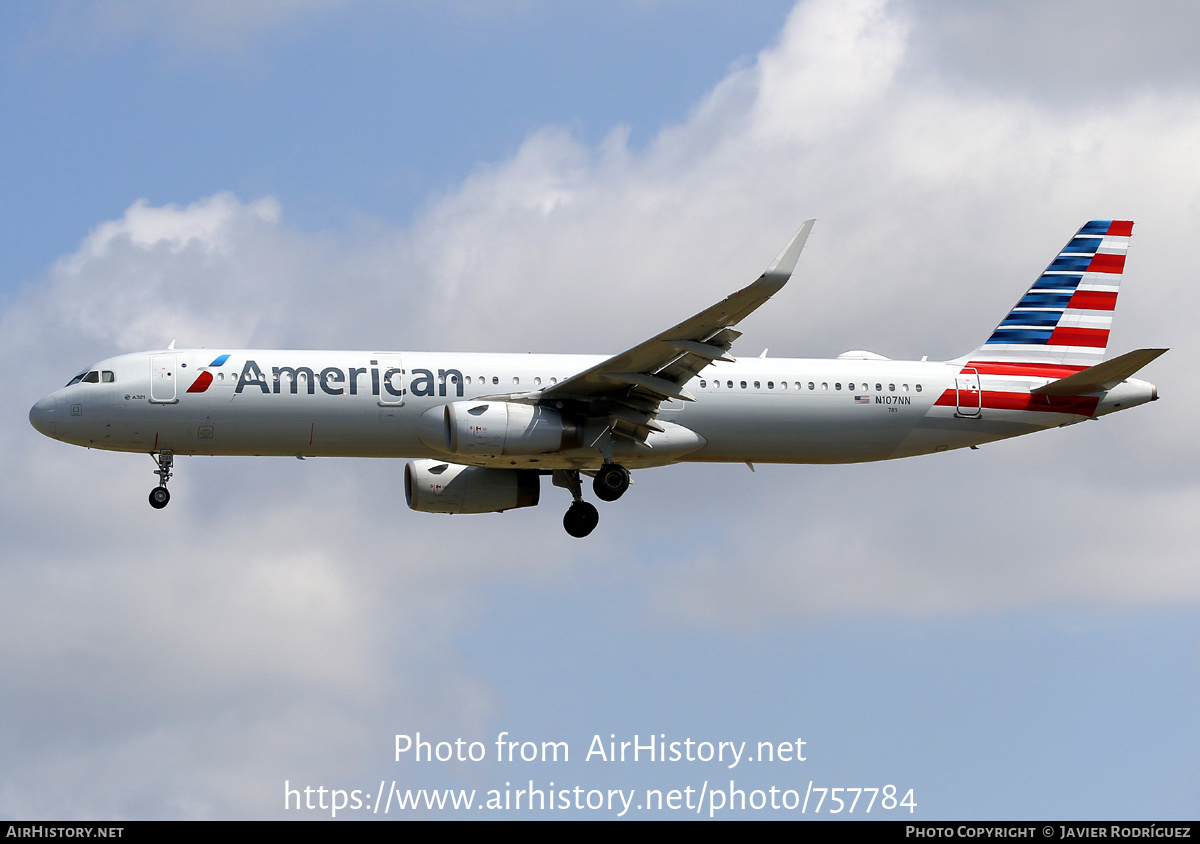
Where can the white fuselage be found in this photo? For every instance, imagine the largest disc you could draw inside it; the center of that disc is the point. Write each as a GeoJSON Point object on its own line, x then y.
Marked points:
{"type": "Point", "coordinates": [389, 404]}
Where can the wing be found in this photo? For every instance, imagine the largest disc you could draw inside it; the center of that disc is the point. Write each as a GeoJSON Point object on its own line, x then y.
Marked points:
{"type": "Point", "coordinates": [629, 387]}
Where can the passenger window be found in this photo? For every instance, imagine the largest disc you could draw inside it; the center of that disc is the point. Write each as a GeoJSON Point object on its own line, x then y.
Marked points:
{"type": "Point", "coordinates": [107, 376]}
{"type": "Point", "coordinates": [891, 388]}
{"type": "Point", "coordinates": [824, 385]}
{"type": "Point", "coordinates": [905, 387]}
{"type": "Point", "coordinates": [553, 380]}
{"type": "Point", "coordinates": [516, 380]}
{"type": "Point", "coordinates": [495, 380]}
{"type": "Point", "coordinates": [537, 381]}
{"type": "Point", "coordinates": [92, 377]}
{"type": "Point", "coordinates": [729, 385]}
{"type": "Point", "coordinates": [838, 385]}
{"type": "Point", "coordinates": [703, 384]}
{"type": "Point", "coordinates": [879, 388]}
{"type": "Point", "coordinates": [770, 385]}
{"type": "Point", "coordinates": [743, 385]}
{"type": "Point", "coordinates": [757, 385]}
{"type": "Point", "coordinates": [918, 388]}
{"type": "Point", "coordinates": [811, 385]}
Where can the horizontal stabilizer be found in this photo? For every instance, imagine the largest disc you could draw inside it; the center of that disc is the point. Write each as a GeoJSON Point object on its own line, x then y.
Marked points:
{"type": "Point", "coordinates": [1102, 376]}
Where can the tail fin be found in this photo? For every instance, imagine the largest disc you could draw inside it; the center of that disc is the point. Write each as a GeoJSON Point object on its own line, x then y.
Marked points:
{"type": "Point", "coordinates": [1065, 317]}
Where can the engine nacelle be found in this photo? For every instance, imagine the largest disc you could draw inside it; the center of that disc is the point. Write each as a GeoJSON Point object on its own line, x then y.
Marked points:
{"type": "Point", "coordinates": [434, 486]}
{"type": "Point", "coordinates": [490, 428]}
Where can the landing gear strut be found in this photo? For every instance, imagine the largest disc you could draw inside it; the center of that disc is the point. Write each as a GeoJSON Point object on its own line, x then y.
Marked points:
{"type": "Point", "coordinates": [159, 496]}
{"type": "Point", "coordinates": [611, 482]}
{"type": "Point", "coordinates": [581, 518]}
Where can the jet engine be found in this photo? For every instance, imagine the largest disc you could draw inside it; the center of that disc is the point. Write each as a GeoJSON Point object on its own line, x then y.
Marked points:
{"type": "Point", "coordinates": [434, 486]}
{"type": "Point", "coordinates": [491, 428]}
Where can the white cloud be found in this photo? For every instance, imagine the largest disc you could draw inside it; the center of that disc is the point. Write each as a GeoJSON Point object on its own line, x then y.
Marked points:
{"type": "Point", "coordinates": [938, 204]}
{"type": "Point", "coordinates": [209, 223]}
{"type": "Point", "coordinates": [937, 208]}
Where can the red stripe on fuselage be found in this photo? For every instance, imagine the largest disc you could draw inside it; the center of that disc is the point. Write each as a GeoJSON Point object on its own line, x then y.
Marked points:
{"type": "Point", "coordinates": [996, 400]}
{"type": "Point", "coordinates": [1030, 370]}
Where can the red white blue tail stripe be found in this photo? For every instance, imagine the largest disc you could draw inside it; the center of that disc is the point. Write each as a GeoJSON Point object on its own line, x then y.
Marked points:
{"type": "Point", "coordinates": [1066, 315]}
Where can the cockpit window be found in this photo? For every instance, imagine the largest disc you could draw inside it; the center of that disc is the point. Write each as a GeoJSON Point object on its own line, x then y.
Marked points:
{"type": "Point", "coordinates": [107, 376]}
{"type": "Point", "coordinates": [92, 377]}
{"type": "Point", "coordinates": [76, 379]}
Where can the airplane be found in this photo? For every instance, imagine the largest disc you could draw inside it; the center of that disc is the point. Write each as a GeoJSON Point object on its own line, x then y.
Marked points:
{"type": "Point", "coordinates": [481, 430]}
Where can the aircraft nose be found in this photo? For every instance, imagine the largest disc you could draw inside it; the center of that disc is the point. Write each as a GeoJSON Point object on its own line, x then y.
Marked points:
{"type": "Point", "coordinates": [44, 414]}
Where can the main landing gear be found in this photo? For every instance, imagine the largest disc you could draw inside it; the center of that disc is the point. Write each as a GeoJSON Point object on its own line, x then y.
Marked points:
{"type": "Point", "coordinates": [610, 484]}
{"type": "Point", "coordinates": [159, 496]}
{"type": "Point", "coordinates": [581, 519]}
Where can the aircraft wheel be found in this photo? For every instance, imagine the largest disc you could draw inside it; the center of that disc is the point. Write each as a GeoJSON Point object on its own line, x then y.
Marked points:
{"type": "Point", "coordinates": [611, 482]}
{"type": "Point", "coordinates": [581, 519]}
{"type": "Point", "coordinates": [159, 497]}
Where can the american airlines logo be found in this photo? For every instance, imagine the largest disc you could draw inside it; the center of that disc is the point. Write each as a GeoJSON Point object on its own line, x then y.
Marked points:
{"type": "Point", "coordinates": [335, 381]}
{"type": "Point", "coordinates": [204, 379]}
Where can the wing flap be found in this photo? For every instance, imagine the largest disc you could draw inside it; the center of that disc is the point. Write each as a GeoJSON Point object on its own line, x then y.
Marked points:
{"type": "Point", "coordinates": [642, 422]}
{"type": "Point", "coordinates": [703, 350]}
{"type": "Point", "coordinates": [660, 386]}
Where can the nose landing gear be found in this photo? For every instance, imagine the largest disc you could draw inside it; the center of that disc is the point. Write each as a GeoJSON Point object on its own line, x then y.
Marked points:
{"type": "Point", "coordinates": [159, 496]}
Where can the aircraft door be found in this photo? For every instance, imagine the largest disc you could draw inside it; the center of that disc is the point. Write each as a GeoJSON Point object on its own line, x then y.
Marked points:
{"type": "Point", "coordinates": [970, 397]}
{"type": "Point", "coordinates": [392, 381]}
{"type": "Point", "coordinates": [163, 379]}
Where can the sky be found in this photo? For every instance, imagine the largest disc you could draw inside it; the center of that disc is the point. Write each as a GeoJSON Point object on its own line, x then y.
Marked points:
{"type": "Point", "coordinates": [1010, 633]}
